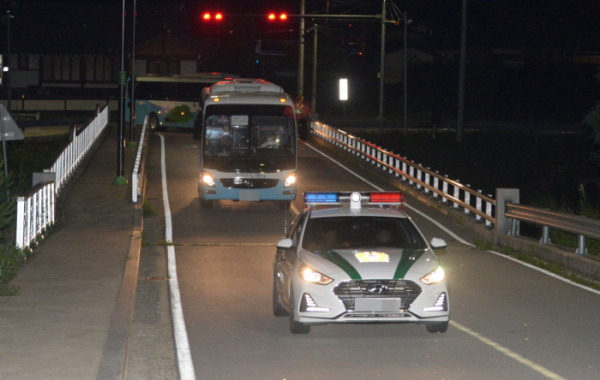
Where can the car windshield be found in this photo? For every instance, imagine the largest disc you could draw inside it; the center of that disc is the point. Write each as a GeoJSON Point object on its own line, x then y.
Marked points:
{"type": "Point", "coordinates": [361, 233]}
{"type": "Point", "coordinates": [257, 131]}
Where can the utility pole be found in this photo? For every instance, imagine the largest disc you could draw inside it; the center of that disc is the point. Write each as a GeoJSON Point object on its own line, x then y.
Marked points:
{"type": "Point", "coordinates": [313, 102]}
{"type": "Point", "coordinates": [461, 73]}
{"type": "Point", "coordinates": [132, 142]}
{"type": "Point", "coordinates": [9, 63]}
{"type": "Point", "coordinates": [121, 180]}
{"type": "Point", "coordinates": [405, 77]}
{"type": "Point", "coordinates": [301, 51]}
{"type": "Point", "coordinates": [382, 67]}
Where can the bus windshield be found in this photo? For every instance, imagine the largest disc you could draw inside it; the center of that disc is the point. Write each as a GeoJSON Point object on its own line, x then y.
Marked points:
{"type": "Point", "coordinates": [257, 131]}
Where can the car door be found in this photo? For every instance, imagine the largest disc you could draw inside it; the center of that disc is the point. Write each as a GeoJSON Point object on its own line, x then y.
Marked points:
{"type": "Point", "coordinates": [286, 259]}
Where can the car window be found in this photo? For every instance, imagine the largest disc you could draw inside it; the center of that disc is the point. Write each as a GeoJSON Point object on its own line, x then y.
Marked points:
{"type": "Point", "coordinates": [297, 232]}
{"type": "Point", "coordinates": [362, 233]}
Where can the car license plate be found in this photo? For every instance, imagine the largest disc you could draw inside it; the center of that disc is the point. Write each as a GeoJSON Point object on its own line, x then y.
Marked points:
{"type": "Point", "coordinates": [377, 304]}
{"type": "Point", "coordinates": [249, 195]}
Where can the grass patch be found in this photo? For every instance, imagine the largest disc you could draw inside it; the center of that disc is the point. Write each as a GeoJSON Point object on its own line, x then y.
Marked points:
{"type": "Point", "coordinates": [148, 210]}
{"type": "Point", "coordinates": [11, 260]}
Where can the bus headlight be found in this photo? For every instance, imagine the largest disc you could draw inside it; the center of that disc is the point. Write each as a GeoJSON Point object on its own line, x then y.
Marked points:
{"type": "Point", "coordinates": [290, 180]}
{"type": "Point", "coordinates": [208, 180]}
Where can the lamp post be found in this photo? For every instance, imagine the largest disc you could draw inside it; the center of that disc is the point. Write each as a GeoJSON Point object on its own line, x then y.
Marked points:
{"type": "Point", "coordinates": [300, 88]}
{"type": "Point", "coordinates": [382, 67]}
{"type": "Point", "coordinates": [8, 62]}
{"type": "Point", "coordinates": [313, 102]}
{"type": "Point", "coordinates": [405, 76]}
{"type": "Point", "coordinates": [132, 142]}
{"type": "Point", "coordinates": [121, 180]}
{"type": "Point", "coordinates": [461, 73]}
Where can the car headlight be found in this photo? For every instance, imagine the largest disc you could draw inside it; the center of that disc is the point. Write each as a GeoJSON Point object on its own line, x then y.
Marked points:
{"type": "Point", "coordinates": [208, 180]}
{"type": "Point", "coordinates": [310, 275]}
{"type": "Point", "coordinates": [434, 277]}
{"type": "Point", "coordinates": [290, 180]}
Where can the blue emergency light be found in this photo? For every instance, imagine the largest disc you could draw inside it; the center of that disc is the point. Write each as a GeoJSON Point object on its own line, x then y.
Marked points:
{"type": "Point", "coordinates": [321, 198]}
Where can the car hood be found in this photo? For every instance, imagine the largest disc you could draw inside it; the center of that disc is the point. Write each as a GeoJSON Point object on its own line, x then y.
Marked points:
{"type": "Point", "coordinates": [371, 264]}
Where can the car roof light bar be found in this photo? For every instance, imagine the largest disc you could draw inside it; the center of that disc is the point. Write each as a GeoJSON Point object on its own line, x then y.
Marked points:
{"type": "Point", "coordinates": [354, 199]}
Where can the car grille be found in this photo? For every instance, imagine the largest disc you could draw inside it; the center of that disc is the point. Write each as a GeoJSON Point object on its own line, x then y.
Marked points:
{"type": "Point", "coordinates": [250, 183]}
{"type": "Point", "coordinates": [347, 291]}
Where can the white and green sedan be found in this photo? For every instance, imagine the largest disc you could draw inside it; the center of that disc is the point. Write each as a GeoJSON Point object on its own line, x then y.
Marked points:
{"type": "Point", "coordinates": [355, 257]}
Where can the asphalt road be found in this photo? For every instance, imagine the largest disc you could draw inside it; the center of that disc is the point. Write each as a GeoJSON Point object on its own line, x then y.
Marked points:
{"type": "Point", "coordinates": [508, 321]}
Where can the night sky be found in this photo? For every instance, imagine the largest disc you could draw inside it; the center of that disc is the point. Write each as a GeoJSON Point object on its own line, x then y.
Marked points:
{"type": "Point", "coordinates": [71, 26]}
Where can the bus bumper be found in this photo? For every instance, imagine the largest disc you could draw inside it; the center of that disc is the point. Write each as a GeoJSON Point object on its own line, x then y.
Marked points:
{"type": "Point", "coordinates": [220, 192]}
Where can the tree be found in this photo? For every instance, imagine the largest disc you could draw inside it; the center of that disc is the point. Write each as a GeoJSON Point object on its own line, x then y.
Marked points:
{"type": "Point", "coordinates": [592, 120]}
{"type": "Point", "coordinates": [8, 206]}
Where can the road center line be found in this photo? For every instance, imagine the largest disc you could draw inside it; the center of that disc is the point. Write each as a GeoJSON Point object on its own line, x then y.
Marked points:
{"type": "Point", "coordinates": [513, 355]}
{"type": "Point", "coordinates": [182, 344]}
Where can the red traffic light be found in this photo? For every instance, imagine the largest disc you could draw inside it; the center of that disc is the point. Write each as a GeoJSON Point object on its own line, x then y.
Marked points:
{"type": "Point", "coordinates": [207, 16]}
{"type": "Point", "coordinates": [281, 17]}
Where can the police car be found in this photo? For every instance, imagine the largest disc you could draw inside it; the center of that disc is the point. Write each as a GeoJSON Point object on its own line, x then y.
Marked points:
{"type": "Point", "coordinates": [355, 257]}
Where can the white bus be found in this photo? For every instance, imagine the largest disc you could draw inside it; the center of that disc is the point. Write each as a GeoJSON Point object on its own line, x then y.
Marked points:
{"type": "Point", "coordinates": [170, 101]}
{"type": "Point", "coordinates": [248, 150]}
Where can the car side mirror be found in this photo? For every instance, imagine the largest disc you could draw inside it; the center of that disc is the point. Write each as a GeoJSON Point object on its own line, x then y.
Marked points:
{"type": "Point", "coordinates": [285, 243]}
{"type": "Point", "coordinates": [438, 243]}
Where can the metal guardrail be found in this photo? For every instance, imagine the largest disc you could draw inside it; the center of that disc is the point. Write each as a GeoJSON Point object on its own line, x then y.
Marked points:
{"type": "Point", "coordinates": [462, 196]}
{"type": "Point", "coordinates": [71, 157]}
{"type": "Point", "coordinates": [574, 224]}
{"type": "Point", "coordinates": [137, 177]}
{"type": "Point", "coordinates": [35, 213]}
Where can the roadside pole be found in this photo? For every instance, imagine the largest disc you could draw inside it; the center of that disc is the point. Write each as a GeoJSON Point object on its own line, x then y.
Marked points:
{"type": "Point", "coordinates": [121, 180]}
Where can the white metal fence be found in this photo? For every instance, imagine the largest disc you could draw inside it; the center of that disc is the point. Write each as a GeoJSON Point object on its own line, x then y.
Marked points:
{"type": "Point", "coordinates": [424, 179]}
{"type": "Point", "coordinates": [71, 157]}
{"type": "Point", "coordinates": [35, 213]}
{"type": "Point", "coordinates": [137, 176]}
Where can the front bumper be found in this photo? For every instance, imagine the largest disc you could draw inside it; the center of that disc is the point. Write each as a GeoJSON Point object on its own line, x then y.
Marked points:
{"type": "Point", "coordinates": [272, 193]}
{"type": "Point", "coordinates": [339, 312]}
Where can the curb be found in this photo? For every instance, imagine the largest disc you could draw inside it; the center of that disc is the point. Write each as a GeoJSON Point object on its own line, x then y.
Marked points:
{"type": "Point", "coordinates": [114, 355]}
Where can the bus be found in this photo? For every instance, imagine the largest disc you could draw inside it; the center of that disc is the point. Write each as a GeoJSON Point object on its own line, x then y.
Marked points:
{"type": "Point", "coordinates": [248, 143]}
{"type": "Point", "coordinates": [169, 101]}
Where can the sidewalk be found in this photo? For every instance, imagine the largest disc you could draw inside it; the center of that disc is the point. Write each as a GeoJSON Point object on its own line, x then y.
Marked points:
{"type": "Point", "coordinates": [57, 326]}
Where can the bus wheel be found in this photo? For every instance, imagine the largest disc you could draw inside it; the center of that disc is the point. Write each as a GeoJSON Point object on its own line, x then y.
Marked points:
{"type": "Point", "coordinates": [206, 204]}
{"type": "Point", "coordinates": [285, 204]}
{"type": "Point", "coordinates": [153, 121]}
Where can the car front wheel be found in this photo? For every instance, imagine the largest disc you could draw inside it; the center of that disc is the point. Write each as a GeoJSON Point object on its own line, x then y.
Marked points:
{"type": "Point", "coordinates": [438, 327]}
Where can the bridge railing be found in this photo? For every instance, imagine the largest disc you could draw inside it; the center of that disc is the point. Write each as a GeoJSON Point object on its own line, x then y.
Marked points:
{"type": "Point", "coordinates": [578, 225]}
{"type": "Point", "coordinates": [35, 213]}
{"type": "Point", "coordinates": [137, 177]}
{"type": "Point", "coordinates": [71, 157]}
{"type": "Point", "coordinates": [414, 174]}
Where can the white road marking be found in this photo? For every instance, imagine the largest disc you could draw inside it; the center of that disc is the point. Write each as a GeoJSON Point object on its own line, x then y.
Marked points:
{"type": "Point", "coordinates": [182, 344]}
{"type": "Point", "coordinates": [558, 277]}
{"type": "Point", "coordinates": [511, 354]}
